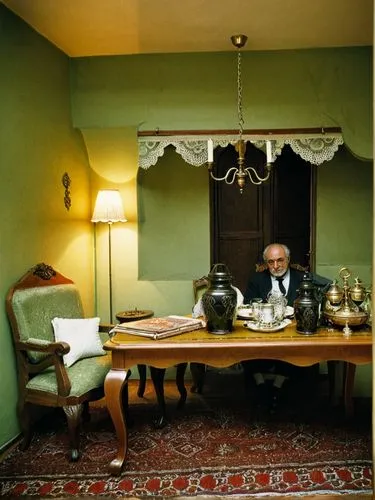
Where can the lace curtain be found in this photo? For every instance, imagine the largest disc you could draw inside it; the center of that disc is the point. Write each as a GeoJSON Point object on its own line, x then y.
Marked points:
{"type": "Point", "coordinates": [193, 149]}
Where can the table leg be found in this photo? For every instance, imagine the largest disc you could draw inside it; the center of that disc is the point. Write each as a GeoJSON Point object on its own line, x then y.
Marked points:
{"type": "Point", "coordinates": [113, 389]}
{"type": "Point", "coordinates": [349, 375]}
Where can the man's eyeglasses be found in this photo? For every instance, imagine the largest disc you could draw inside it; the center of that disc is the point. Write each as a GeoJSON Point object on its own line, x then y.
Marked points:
{"type": "Point", "coordinates": [271, 262]}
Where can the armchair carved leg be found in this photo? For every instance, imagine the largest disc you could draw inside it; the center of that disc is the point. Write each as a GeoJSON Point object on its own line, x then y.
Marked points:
{"type": "Point", "coordinates": [198, 373]}
{"type": "Point", "coordinates": [180, 382]}
{"type": "Point", "coordinates": [25, 424]}
{"type": "Point", "coordinates": [73, 414]}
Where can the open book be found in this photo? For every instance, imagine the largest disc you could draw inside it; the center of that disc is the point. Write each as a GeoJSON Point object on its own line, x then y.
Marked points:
{"type": "Point", "coordinates": [159, 328]}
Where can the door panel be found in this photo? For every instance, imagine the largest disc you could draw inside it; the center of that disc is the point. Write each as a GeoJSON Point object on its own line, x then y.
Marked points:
{"type": "Point", "coordinates": [292, 216]}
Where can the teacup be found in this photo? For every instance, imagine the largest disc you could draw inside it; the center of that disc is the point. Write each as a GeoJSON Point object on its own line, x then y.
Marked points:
{"type": "Point", "coordinates": [266, 315]}
{"type": "Point", "coordinates": [255, 308]}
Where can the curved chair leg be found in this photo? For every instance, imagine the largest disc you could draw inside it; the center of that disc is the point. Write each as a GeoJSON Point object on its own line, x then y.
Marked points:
{"type": "Point", "coordinates": [349, 376]}
{"type": "Point", "coordinates": [332, 366]}
{"type": "Point", "coordinates": [23, 410]}
{"type": "Point", "coordinates": [198, 373]}
{"type": "Point", "coordinates": [86, 417]}
{"type": "Point", "coordinates": [142, 380]}
{"type": "Point", "coordinates": [73, 414]}
{"type": "Point", "coordinates": [157, 376]}
{"type": "Point", "coordinates": [180, 382]}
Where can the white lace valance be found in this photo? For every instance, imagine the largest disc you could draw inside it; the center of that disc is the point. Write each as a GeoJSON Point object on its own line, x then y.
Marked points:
{"type": "Point", "coordinates": [193, 149]}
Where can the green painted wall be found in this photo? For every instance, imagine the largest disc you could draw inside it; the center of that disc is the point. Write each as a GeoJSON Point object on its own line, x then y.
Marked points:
{"type": "Point", "coordinates": [281, 89]}
{"type": "Point", "coordinates": [37, 145]}
{"type": "Point", "coordinates": [344, 216]}
{"type": "Point", "coordinates": [173, 218]}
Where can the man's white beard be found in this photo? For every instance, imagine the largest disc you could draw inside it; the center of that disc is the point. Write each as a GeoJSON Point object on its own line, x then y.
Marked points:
{"type": "Point", "coordinates": [277, 274]}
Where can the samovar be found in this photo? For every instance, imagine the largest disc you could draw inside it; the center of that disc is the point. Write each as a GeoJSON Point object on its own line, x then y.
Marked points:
{"type": "Point", "coordinates": [343, 306]}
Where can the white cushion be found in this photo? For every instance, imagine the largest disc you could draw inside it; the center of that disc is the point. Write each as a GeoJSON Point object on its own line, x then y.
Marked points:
{"type": "Point", "coordinates": [81, 334]}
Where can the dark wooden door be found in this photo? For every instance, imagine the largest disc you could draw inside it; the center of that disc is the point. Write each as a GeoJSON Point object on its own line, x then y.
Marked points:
{"type": "Point", "coordinates": [277, 211]}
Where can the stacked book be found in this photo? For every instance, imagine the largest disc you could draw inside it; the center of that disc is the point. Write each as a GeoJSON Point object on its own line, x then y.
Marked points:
{"type": "Point", "coordinates": [159, 328]}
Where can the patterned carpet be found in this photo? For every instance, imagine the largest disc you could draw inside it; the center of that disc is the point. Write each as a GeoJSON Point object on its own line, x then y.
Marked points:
{"type": "Point", "coordinates": [217, 445]}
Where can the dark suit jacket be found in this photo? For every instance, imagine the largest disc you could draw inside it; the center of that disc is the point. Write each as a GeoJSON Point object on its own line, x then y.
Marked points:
{"type": "Point", "coordinates": [260, 285]}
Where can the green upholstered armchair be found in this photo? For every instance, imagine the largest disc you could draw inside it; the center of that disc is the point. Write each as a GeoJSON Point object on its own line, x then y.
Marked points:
{"type": "Point", "coordinates": [43, 377]}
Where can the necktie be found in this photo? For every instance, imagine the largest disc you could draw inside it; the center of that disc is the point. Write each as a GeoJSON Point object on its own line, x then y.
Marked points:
{"type": "Point", "coordinates": [281, 285]}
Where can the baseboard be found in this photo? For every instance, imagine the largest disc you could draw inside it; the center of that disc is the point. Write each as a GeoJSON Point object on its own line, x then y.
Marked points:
{"type": "Point", "coordinates": [9, 445]}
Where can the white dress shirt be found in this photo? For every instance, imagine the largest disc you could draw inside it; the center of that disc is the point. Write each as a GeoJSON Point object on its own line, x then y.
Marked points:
{"type": "Point", "coordinates": [286, 281]}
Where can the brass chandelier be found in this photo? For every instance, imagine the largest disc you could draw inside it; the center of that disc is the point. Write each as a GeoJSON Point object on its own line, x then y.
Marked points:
{"type": "Point", "coordinates": [241, 173]}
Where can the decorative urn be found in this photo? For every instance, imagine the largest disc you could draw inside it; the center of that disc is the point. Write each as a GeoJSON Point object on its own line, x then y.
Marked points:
{"type": "Point", "coordinates": [219, 300]}
{"type": "Point", "coordinates": [346, 306]}
{"type": "Point", "coordinates": [306, 307]}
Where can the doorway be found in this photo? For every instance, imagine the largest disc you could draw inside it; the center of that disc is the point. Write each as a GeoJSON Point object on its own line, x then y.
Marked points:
{"type": "Point", "coordinates": [280, 210]}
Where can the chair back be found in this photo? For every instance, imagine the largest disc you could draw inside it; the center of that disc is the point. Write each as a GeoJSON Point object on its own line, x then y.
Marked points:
{"type": "Point", "coordinates": [199, 287]}
{"type": "Point", "coordinates": [39, 296]}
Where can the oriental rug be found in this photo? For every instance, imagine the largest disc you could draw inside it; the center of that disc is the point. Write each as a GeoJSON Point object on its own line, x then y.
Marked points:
{"type": "Point", "coordinates": [214, 446]}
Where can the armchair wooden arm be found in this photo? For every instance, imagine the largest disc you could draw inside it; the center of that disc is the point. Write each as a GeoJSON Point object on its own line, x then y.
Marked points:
{"type": "Point", "coordinates": [56, 350]}
{"type": "Point", "coordinates": [39, 345]}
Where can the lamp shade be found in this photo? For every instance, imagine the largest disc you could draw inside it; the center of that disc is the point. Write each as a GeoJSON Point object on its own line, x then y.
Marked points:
{"type": "Point", "coordinates": [108, 207]}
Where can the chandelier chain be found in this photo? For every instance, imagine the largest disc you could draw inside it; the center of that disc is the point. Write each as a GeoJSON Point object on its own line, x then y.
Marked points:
{"type": "Point", "coordinates": [239, 95]}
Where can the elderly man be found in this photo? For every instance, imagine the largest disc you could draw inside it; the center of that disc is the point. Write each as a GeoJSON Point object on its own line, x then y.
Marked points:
{"type": "Point", "coordinates": [278, 276]}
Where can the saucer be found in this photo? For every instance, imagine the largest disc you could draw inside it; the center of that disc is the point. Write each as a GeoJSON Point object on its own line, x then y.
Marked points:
{"type": "Point", "coordinates": [289, 312]}
{"type": "Point", "coordinates": [275, 328]}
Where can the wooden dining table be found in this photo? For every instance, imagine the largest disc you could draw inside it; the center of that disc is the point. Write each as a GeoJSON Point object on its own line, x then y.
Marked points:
{"type": "Point", "coordinates": [221, 351]}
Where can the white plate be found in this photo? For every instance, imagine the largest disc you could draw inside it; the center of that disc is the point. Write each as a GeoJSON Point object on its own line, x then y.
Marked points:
{"type": "Point", "coordinates": [244, 312]}
{"type": "Point", "coordinates": [253, 326]}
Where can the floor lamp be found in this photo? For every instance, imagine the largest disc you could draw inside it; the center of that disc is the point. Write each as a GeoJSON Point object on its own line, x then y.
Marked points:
{"type": "Point", "coordinates": [109, 209]}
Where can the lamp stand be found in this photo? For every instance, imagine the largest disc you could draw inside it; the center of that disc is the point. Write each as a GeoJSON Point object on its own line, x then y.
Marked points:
{"type": "Point", "coordinates": [110, 272]}
{"type": "Point", "coordinates": [108, 208]}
